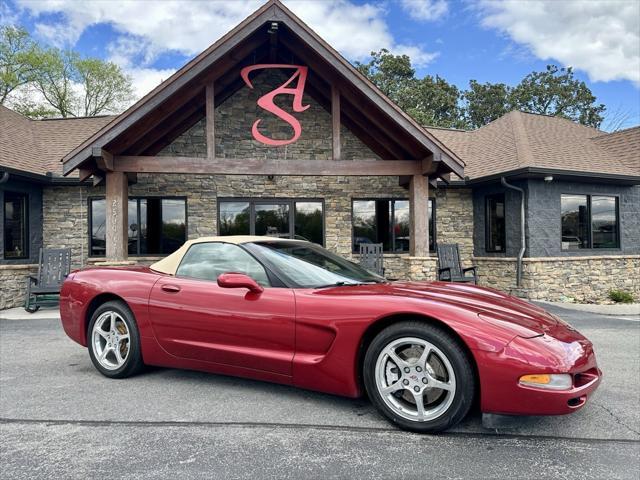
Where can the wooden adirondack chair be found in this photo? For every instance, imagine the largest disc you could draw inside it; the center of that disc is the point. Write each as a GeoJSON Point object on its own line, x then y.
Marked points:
{"type": "Point", "coordinates": [371, 257]}
{"type": "Point", "coordinates": [54, 265]}
{"type": "Point", "coordinates": [449, 265]}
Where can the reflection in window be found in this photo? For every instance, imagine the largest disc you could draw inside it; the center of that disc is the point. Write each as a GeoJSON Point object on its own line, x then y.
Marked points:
{"type": "Point", "coordinates": [308, 221]}
{"type": "Point", "coordinates": [15, 225]}
{"type": "Point", "coordinates": [272, 220]}
{"type": "Point", "coordinates": [302, 219]}
{"type": "Point", "coordinates": [387, 222]}
{"type": "Point", "coordinates": [156, 226]}
{"type": "Point", "coordinates": [207, 261]}
{"type": "Point", "coordinates": [575, 222]}
{"type": "Point", "coordinates": [589, 221]}
{"type": "Point", "coordinates": [604, 221]}
{"type": "Point", "coordinates": [234, 218]}
{"type": "Point", "coordinates": [495, 226]}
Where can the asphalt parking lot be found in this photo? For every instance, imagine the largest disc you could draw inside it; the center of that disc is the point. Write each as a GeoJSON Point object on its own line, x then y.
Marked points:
{"type": "Point", "coordinates": [59, 418]}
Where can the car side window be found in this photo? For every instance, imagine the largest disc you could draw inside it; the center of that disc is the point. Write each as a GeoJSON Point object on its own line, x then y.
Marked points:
{"type": "Point", "coordinates": [207, 261]}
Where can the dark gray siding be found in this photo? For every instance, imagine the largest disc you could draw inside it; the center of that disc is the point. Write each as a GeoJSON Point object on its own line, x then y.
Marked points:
{"type": "Point", "coordinates": [34, 192]}
{"type": "Point", "coordinates": [543, 217]}
{"type": "Point", "coordinates": [512, 219]}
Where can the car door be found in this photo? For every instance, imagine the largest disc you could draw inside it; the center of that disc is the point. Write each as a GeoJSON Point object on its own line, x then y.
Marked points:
{"type": "Point", "coordinates": [194, 318]}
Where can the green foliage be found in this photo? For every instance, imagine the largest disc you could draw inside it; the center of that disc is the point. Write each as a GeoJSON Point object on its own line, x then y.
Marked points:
{"type": "Point", "coordinates": [435, 102]}
{"type": "Point", "coordinates": [485, 102]}
{"type": "Point", "coordinates": [17, 56]}
{"type": "Point", "coordinates": [620, 296]}
{"type": "Point", "coordinates": [556, 92]}
{"type": "Point", "coordinates": [67, 84]}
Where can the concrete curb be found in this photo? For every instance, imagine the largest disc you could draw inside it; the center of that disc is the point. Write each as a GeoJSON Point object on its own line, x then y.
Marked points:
{"type": "Point", "coordinates": [618, 309]}
{"type": "Point", "coordinates": [19, 313]}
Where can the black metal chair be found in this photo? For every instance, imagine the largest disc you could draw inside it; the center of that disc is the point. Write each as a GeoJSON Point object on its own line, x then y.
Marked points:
{"type": "Point", "coordinates": [371, 257]}
{"type": "Point", "coordinates": [449, 265]}
{"type": "Point", "coordinates": [53, 267]}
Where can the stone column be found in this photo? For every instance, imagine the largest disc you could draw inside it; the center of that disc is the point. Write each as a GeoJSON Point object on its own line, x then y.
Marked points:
{"type": "Point", "coordinates": [117, 221]}
{"type": "Point", "coordinates": [419, 216]}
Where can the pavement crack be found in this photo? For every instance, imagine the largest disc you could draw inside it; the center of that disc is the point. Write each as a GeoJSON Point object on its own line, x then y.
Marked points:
{"type": "Point", "coordinates": [301, 426]}
{"type": "Point", "coordinates": [618, 420]}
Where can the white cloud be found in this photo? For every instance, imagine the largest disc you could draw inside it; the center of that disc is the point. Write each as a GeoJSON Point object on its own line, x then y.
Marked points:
{"type": "Point", "coordinates": [600, 37]}
{"type": "Point", "coordinates": [425, 10]}
{"type": "Point", "coordinates": [146, 79]}
{"type": "Point", "coordinates": [189, 26]}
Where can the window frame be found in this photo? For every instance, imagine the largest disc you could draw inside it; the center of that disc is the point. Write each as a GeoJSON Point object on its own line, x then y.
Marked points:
{"type": "Point", "coordinates": [589, 196]}
{"type": "Point", "coordinates": [392, 220]}
{"type": "Point", "coordinates": [487, 223]}
{"type": "Point", "coordinates": [26, 199]}
{"type": "Point", "coordinates": [137, 198]}
{"type": "Point", "coordinates": [253, 201]}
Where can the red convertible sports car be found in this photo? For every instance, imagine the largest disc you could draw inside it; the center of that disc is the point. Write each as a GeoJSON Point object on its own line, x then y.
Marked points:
{"type": "Point", "coordinates": [291, 312]}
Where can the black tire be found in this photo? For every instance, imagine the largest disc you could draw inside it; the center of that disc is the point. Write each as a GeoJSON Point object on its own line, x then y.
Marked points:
{"type": "Point", "coordinates": [133, 363]}
{"type": "Point", "coordinates": [455, 354]}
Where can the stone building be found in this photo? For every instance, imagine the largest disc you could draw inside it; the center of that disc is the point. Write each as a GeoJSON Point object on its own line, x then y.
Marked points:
{"type": "Point", "coordinates": [213, 151]}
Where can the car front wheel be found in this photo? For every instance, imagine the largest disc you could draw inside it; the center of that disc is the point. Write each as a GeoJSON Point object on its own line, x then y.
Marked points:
{"type": "Point", "coordinates": [419, 377]}
{"type": "Point", "coordinates": [113, 341]}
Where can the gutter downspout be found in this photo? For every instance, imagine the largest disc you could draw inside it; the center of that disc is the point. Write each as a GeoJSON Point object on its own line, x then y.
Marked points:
{"type": "Point", "coordinates": [523, 239]}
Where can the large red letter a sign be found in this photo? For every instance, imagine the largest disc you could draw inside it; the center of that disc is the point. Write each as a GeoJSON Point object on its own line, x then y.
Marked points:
{"type": "Point", "coordinates": [266, 101]}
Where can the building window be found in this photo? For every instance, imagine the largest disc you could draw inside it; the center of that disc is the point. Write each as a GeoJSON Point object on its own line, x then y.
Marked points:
{"type": "Point", "coordinates": [386, 221]}
{"type": "Point", "coordinates": [589, 221]}
{"type": "Point", "coordinates": [16, 231]}
{"type": "Point", "coordinates": [302, 219]}
{"type": "Point", "coordinates": [157, 226]}
{"type": "Point", "coordinates": [495, 234]}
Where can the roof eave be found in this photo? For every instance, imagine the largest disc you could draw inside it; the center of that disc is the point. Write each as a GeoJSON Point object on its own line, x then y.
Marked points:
{"type": "Point", "coordinates": [537, 172]}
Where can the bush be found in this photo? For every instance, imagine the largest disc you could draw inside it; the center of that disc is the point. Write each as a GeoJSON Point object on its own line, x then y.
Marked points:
{"type": "Point", "coordinates": [620, 296]}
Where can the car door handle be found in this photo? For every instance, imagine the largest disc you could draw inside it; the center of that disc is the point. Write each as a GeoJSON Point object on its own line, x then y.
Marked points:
{"type": "Point", "coordinates": [170, 288]}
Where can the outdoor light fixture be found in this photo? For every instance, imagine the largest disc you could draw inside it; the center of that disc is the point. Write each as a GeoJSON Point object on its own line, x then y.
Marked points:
{"type": "Point", "coordinates": [548, 178]}
{"type": "Point", "coordinates": [553, 381]}
{"type": "Point", "coordinates": [274, 27]}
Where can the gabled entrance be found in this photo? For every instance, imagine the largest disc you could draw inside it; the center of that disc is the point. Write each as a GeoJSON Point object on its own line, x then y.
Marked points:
{"type": "Point", "coordinates": [364, 133]}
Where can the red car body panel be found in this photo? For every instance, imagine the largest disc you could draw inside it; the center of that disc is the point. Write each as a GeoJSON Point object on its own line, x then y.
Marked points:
{"type": "Point", "coordinates": [312, 338]}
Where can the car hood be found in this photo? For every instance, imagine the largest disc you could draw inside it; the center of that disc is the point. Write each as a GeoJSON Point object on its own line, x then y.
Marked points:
{"type": "Point", "coordinates": [490, 305]}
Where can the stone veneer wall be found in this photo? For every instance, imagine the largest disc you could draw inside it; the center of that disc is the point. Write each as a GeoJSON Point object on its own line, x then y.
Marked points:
{"type": "Point", "coordinates": [584, 279]}
{"type": "Point", "coordinates": [65, 210]}
{"type": "Point", "coordinates": [13, 280]}
{"type": "Point", "coordinates": [236, 115]}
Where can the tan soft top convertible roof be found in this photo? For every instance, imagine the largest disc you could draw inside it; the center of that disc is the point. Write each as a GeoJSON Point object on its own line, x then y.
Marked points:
{"type": "Point", "coordinates": [170, 264]}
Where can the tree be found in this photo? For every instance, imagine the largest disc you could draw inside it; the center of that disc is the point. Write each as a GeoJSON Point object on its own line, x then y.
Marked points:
{"type": "Point", "coordinates": [17, 54]}
{"type": "Point", "coordinates": [556, 92]}
{"type": "Point", "coordinates": [75, 86]}
{"type": "Point", "coordinates": [485, 102]}
{"type": "Point", "coordinates": [430, 100]}
{"type": "Point", "coordinates": [43, 82]}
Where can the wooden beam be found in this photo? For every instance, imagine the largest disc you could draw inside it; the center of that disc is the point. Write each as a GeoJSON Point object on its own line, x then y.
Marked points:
{"type": "Point", "coordinates": [260, 166]}
{"type": "Point", "coordinates": [210, 121]}
{"type": "Point", "coordinates": [117, 208]}
{"type": "Point", "coordinates": [104, 159]}
{"type": "Point", "coordinates": [85, 173]}
{"type": "Point", "coordinates": [419, 216]}
{"type": "Point", "coordinates": [335, 121]}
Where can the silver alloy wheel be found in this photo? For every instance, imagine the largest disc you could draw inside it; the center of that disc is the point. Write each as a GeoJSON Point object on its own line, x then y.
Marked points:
{"type": "Point", "coordinates": [415, 379]}
{"type": "Point", "coordinates": [110, 340]}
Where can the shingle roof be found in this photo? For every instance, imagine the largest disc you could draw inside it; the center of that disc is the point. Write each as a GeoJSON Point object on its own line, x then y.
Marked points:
{"type": "Point", "coordinates": [518, 140]}
{"type": "Point", "coordinates": [37, 146]}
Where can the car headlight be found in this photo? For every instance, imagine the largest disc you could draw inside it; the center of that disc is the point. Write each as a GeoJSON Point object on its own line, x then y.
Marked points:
{"type": "Point", "coordinates": [553, 381]}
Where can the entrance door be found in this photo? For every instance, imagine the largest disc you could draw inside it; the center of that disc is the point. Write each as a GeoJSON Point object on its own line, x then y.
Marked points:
{"type": "Point", "coordinates": [195, 318]}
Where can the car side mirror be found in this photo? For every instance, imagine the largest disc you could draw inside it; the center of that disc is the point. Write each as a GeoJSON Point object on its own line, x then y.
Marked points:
{"type": "Point", "coordinates": [239, 280]}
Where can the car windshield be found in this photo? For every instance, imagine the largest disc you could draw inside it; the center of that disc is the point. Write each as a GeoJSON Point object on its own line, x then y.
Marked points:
{"type": "Point", "coordinates": [310, 266]}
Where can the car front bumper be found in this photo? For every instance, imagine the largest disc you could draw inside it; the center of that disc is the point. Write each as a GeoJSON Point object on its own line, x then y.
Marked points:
{"type": "Point", "coordinates": [501, 392]}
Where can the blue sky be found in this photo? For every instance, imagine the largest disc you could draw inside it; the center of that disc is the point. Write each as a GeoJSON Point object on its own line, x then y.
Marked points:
{"type": "Point", "coordinates": [486, 40]}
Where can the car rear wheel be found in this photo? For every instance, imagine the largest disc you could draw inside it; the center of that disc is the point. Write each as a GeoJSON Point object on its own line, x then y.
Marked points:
{"type": "Point", "coordinates": [419, 377]}
{"type": "Point", "coordinates": [113, 341]}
